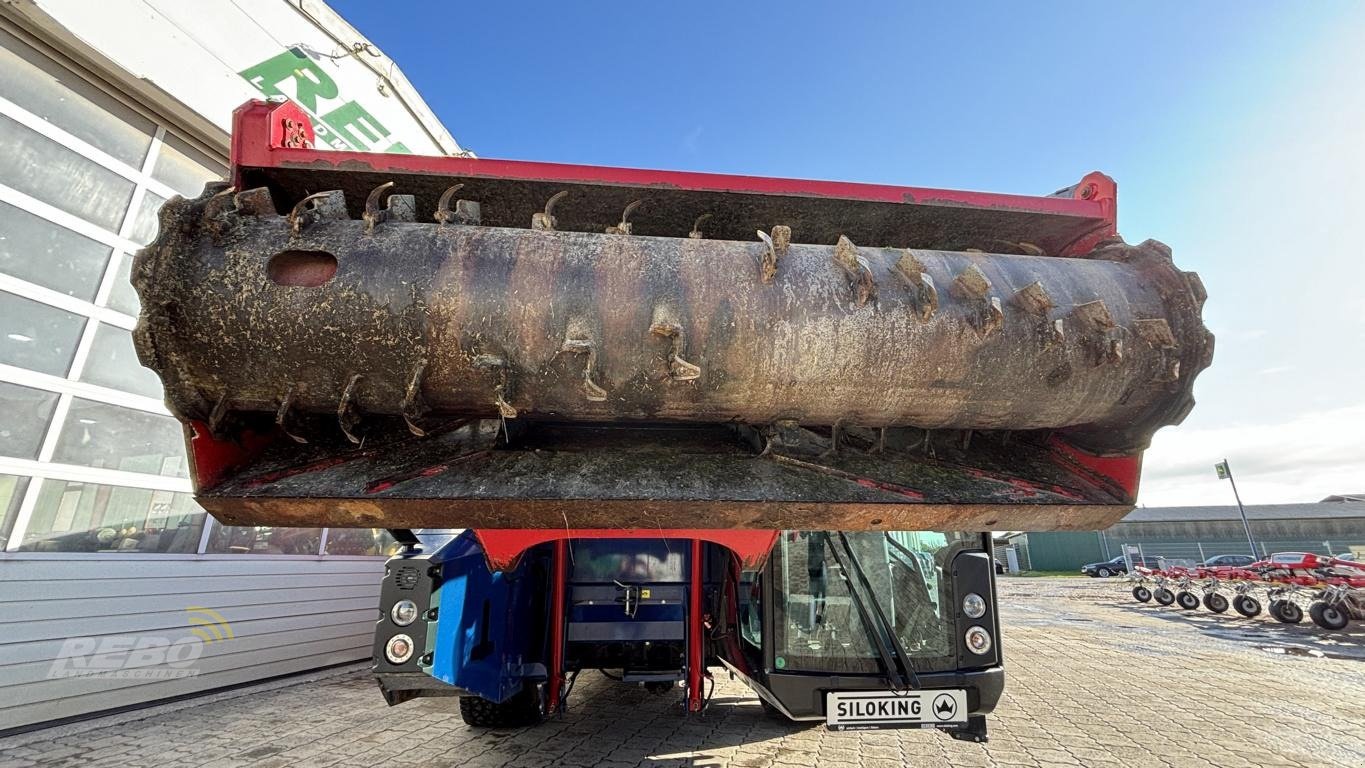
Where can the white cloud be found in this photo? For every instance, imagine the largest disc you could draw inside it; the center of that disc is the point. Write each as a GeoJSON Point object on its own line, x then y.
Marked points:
{"type": "Point", "coordinates": [1300, 459]}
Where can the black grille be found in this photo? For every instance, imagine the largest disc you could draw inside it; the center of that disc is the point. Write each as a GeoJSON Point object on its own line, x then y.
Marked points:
{"type": "Point", "coordinates": [406, 578]}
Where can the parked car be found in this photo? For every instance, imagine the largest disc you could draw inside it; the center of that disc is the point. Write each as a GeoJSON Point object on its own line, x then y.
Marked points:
{"type": "Point", "coordinates": [1116, 566]}
{"type": "Point", "coordinates": [1105, 569]}
{"type": "Point", "coordinates": [1236, 561]}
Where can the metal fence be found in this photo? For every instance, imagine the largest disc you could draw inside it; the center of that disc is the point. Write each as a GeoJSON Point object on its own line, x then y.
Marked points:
{"type": "Point", "coordinates": [1188, 553]}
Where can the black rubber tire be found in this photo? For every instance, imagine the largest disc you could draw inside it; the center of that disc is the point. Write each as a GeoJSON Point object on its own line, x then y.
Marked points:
{"type": "Point", "coordinates": [1186, 600]}
{"type": "Point", "coordinates": [1163, 596]}
{"type": "Point", "coordinates": [1142, 594]}
{"type": "Point", "coordinates": [1328, 616]}
{"type": "Point", "coordinates": [1246, 605]}
{"type": "Point", "coordinates": [1286, 611]}
{"type": "Point", "coordinates": [1104, 573]}
{"type": "Point", "coordinates": [1216, 602]}
{"type": "Point", "coordinates": [523, 709]}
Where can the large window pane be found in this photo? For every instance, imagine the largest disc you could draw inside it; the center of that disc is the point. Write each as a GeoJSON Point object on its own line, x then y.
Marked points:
{"type": "Point", "coordinates": [37, 336]}
{"type": "Point", "coordinates": [12, 489]}
{"type": "Point", "coordinates": [113, 363]}
{"type": "Point", "coordinates": [123, 297]}
{"type": "Point", "coordinates": [101, 435]}
{"type": "Point", "coordinates": [49, 91]}
{"type": "Point", "coordinates": [38, 166]}
{"type": "Point", "coordinates": [85, 517]}
{"type": "Point", "coordinates": [144, 223]}
{"type": "Point", "coordinates": [361, 541]}
{"type": "Point", "coordinates": [26, 413]}
{"type": "Point", "coordinates": [247, 540]}
{"type": "Point", "coordinates": [34, 249]}
{"type": "Point", "coordinates": [184, 168]}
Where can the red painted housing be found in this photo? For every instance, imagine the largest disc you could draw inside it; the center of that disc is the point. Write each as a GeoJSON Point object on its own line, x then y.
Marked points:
{"type": "Point", "coordinates": [279, 136]}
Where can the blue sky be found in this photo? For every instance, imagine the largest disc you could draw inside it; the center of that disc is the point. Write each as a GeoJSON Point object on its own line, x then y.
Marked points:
{"type": "Point", "coordinates": [1235, 132]}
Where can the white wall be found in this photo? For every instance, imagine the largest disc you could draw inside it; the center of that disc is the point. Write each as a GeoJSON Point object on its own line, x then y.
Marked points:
{"type": "Point", "coordinates": [285, 615]}
{"type": "Point", "coordinates": [197, 52]}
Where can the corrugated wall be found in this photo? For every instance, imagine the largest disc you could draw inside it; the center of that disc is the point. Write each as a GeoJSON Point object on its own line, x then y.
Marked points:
{"type": "Point", "coordinates": [282, 615]}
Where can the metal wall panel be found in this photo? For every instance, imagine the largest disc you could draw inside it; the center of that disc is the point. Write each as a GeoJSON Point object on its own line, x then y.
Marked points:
{"type": "Point", "coordinates": [249, 618]}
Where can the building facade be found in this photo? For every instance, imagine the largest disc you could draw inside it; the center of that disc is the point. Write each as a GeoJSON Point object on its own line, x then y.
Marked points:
{"type": "Point", "coordinates": [106, 111]}
{"type": "Point", "coordinates": [1192, 534]}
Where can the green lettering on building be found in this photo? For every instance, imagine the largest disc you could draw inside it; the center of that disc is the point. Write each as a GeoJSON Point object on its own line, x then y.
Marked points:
{"type": "Point", "coordinates": [346, 127]}
{"type": "Point", "coordinates": [310, 82]}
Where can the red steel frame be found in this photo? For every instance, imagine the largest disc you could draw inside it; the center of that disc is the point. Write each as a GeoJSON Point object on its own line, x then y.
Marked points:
{"type": "Point", "coordinates": [696, 660]}
{"type": "Point", "coordinates": [280, 135]}
{"type": "Point", "coordinates": [559, 566]}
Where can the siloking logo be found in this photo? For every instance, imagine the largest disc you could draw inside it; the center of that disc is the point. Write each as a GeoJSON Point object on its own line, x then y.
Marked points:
{"type": "Point", "coordinates": [143, 657]}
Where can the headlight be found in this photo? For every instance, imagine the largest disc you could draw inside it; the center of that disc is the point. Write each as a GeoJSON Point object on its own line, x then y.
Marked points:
{"type": "Point", "coordinates": [405, 612]}
{"type": "Point", "coordinates": [398, 649]}
{"type": "Point", "coordinates": [974, 606]}
{"type": "Point", "coordinates": [978, 641]}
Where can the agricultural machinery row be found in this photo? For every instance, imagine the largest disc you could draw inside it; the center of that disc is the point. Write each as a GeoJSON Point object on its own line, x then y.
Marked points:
{"type": "Point", "coordinates": [1329, 590]}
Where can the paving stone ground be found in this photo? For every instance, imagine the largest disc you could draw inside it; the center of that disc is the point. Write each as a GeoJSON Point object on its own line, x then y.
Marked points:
{"type": "Point", "coordinates": [1094, 679]}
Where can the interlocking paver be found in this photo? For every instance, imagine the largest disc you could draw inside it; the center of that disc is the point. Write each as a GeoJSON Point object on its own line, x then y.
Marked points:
{"type": "Point", "coordinates": [1092, 679]}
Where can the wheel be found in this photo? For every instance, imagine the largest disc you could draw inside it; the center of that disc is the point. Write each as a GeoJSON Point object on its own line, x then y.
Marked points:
{"type": "Point", "coordinates": [1164, 596]}
{"type": "Point", "coordinates": [1104, 573]}
{"type": "Point", "coordinates": [528, 707]}
{"type": "Point", "coordinates": [1246, 605]}
{"type": "Point", "coordinates": [1286, 611]}
{"type": "Point", "coordinates": [1186, 600]}
{"type": "Point", "coordinates": [1215, 602]}
{"type": "Point", "coordinates": [1328, 616]}
{"type": "Point", "coordinates": [1142, 594]}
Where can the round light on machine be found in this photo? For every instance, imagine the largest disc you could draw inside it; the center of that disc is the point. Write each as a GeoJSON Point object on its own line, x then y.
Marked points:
{"type": "Point", "coordinates": [398, 649]}
{"type": "Point", "coordinates": [974, 605]}
{"type": "Point", "coordinates": [978, 641]}
{"type": "Point", "coordinates": [405, 612]}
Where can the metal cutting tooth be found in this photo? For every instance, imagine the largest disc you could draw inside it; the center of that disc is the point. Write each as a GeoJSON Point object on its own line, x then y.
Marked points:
{"type": "Point", "coordinates": [414, 407]}
{"type": "Point", "coordinates": [973, 287]}
{"type": "Point", "coordinates": [397, 207]}
{"type": "Point", "coordinates": [347, 418]}
{"type": "Point", "coordinates": [545, 221]}
{"type": "Point", "coordinates": [664, 324]}
{"type": "Point", "coordinates": [922, 290]}
{"type": "Point", "coordinates": [255, 202]}
{"type": "Point", "coordinates": [319, 206]}
{"type": "Point", "coordinates": [971, 283]}
{"type": "Point", "coordinates": [778, 243]}
{"type": "Point", "coordinates": [466, 212]}
{"type": "Point", "coordinates": [1094, 314]}
{"type": "Point", "coordinates": [1034, 299]}
{"type": "Point", "coordinates": [578, 340]}
{"type": "Point", "coordinates": [282, 420]}
{"type": "Point", "coordinates": [218, 414]}
{"type": "Point", "coordinates": [1156, 332]}
{"type": "Point", "coordinates": [696, 233]}
{"type": "Point", "coordinates": [486, 362]}
{"type": "Point", "coordinates": [860, 277]}
{"type": "Point", "coordinates": [624, 228]}
{"type": "Point", "coordinates": [1101, 332]}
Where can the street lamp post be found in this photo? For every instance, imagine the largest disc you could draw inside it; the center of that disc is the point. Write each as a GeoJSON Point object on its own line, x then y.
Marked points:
{"type": "Point", "coordinates": [1225, 473]}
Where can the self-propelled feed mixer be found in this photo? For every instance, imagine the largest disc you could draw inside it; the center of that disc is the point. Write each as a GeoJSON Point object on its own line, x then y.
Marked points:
{"type": "Point", "coordinates": [687, 420]}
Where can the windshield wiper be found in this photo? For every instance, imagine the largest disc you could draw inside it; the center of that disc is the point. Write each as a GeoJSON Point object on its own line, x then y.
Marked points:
{"type": "Point", "coordinates": [893, 656]}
